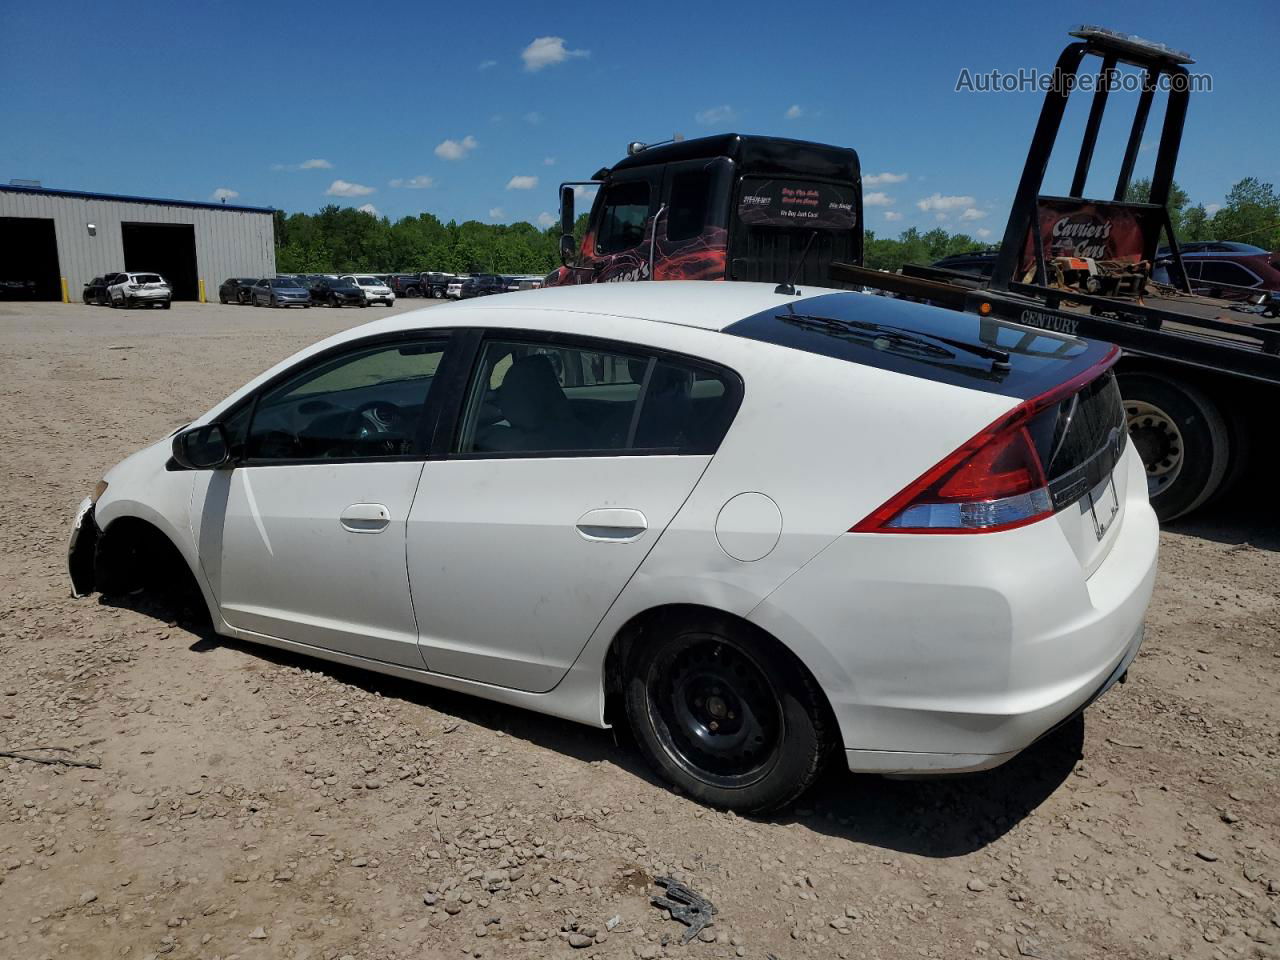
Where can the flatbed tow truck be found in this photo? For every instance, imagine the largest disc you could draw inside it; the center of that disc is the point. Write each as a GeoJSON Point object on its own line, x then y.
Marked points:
{"type": "Point", "coordinates": [1200, 378]}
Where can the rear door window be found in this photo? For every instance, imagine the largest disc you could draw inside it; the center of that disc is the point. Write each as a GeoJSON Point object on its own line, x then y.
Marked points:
{"type": "Point", "coordinates": [555, 398]}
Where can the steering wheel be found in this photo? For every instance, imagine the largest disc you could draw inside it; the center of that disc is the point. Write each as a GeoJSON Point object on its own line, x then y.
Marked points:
{"type": "Point", "coordinates": [375, 418]}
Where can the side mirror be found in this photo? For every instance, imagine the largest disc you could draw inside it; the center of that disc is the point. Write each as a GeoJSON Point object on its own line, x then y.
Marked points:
{"type": "Point", "coordinates": [567, 246]}
{"type": "Point", "coordinates": [202, 448]}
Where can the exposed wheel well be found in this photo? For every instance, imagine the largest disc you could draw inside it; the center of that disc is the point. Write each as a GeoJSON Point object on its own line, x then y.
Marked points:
{"type": "Point", "coordinates": [133, 554]}
{"type": "Point", "coordinates": [663, 617]}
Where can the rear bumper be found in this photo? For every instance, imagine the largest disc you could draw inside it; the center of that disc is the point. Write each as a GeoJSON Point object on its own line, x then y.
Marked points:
{"type": "Point", "coordinates": [949, 654]}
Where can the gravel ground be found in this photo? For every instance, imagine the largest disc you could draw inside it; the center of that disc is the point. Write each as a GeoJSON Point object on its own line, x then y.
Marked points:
{"type": "Point", "coordinates": [257, 805]}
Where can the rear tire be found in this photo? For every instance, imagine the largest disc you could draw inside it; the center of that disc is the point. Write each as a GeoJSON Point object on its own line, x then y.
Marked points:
{"type": "Point", "coordinates": [725, 714]}
{"type": "Point", "coordinates": [1182, 438]}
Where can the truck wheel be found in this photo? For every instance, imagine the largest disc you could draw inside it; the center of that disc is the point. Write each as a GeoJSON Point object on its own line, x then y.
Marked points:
{"type": "Point", "coordinates": [412, 292]}
{"type": "Point", "coordinates": [1182, 439]}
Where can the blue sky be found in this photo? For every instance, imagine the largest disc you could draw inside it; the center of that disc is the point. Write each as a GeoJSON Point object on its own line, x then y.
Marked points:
{"type": "Point", "coordinates": [478, 111]}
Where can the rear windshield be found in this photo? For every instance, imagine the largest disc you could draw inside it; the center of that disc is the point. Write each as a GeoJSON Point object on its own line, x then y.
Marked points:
{"type": "Point", "coordinates": [923, 341]}
{"type": "Point", "coordinates": [147, 278]}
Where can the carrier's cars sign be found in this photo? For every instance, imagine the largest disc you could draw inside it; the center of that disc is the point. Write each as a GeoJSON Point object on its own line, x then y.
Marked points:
{"type": "Point", "coordinates": [796, 203]}
{"type": "Point", "coordinates": [1094, 229]}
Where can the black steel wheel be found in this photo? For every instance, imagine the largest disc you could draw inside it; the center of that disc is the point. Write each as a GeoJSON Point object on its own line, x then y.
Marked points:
{"type": "Point", "coordinates": [726, 714]}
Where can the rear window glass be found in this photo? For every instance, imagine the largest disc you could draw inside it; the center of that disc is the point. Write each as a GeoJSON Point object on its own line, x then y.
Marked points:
{"type": "Point", "coordinates": [558, 399]}
{"type": "Point", "coordinates": [147, 278]}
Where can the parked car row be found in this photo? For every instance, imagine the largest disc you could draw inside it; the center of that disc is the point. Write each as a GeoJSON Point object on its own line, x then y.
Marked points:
{"type": "Point", "coordinates": [356, 290]}
{"type": "Point", "coordinates": [128, 289]}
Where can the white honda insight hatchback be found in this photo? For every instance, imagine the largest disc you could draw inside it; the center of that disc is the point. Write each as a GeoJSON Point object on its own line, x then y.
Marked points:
{"type": "Point", "coordinates": [756, 527]}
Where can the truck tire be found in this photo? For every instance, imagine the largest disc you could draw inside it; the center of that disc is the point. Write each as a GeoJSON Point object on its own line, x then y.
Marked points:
{"type": "Point", "coordinates": [1182, 438]}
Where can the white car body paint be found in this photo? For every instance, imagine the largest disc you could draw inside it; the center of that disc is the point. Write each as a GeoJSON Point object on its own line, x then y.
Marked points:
{"type": "Point", "coordinates": [936, 653]}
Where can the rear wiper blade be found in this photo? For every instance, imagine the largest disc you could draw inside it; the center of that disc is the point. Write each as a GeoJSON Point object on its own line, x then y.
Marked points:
{"type": "Point", "coordinates": [999, 358]}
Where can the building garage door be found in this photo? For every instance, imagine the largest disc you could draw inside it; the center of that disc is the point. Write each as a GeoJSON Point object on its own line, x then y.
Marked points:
{"type": "Point", "coordinates": [29, 259]}
{"type": "Point", "coordinates": [168, 249]}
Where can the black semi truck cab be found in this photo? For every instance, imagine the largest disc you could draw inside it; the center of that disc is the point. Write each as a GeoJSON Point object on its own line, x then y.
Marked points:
{"type": "Point", "coordinates": [728, 207]}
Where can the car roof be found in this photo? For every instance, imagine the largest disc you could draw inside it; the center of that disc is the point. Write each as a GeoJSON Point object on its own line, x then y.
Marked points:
{"type": "Point", "coordinates": [691, 303]}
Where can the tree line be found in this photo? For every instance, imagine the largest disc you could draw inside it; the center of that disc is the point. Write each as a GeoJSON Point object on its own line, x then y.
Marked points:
{"type": "Point", "coordinates": [342, 239]}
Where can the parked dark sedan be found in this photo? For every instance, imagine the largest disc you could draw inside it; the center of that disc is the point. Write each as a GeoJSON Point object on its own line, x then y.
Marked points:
{"type": "Point", "coordinates": [338, 293]}
{"type": "Point", "coordinates": [95, 292]}
{"type": "Point", "coordinates": [482, 285]}
{"type": "Point", "coordinates": [279, 292]}
{"type": "Point", "coordinates": [236, 290]}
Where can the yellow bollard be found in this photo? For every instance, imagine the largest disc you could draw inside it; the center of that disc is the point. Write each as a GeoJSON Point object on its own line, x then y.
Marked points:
{"type": "Point", "coordinates": [66, 298]}
{"type": "Point", "coordinates": [202, 290]}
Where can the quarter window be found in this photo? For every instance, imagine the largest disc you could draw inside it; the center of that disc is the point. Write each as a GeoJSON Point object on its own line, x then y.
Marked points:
{"type": "Point", "coordinates": [556, 399]}
{"type": "Point", "coordinates": [626, 207]}
{"type": "Point", "coordinates": [361, 405]}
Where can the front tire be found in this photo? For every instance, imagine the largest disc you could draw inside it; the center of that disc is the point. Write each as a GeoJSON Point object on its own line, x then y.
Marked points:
{"type": "Point", "coordinates": [726, 714]}
{"type": "Point", "coordinates": [1182, 438]}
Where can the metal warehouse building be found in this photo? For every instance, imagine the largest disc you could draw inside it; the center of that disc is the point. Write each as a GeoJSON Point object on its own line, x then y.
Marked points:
{"type": "Point", "coordinates": [61, 239]}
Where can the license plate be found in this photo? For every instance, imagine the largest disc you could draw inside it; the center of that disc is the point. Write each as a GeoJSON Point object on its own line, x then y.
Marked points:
{"type": "Point", "coordinates": [1104, 504]}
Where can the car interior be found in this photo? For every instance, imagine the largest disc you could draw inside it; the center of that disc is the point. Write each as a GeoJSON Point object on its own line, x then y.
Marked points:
{"type": "Point", "coordinates": [546, 398]}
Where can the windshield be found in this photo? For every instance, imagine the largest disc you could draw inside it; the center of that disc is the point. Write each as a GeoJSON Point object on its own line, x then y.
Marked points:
{"type": "Point", "coordinates": [369, 281]}
{"type": "Point", "coordinates": [341, 284]}
{"type": "Point", "coordinates": [283, 282]}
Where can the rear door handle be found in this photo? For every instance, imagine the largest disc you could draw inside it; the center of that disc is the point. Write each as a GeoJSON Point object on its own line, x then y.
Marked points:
{"type": "Point", "coordinates": [365, 518]}
{"type": "Point", "coordinates": [612, 525]}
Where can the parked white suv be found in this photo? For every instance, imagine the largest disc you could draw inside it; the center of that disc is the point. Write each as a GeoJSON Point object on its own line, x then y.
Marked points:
{"type": "Point", "coordinates": [374, 290]}
{"type": "Point", "coordinates": [136, 289]}
{"type": "Point", "coordinates": [454, 289]}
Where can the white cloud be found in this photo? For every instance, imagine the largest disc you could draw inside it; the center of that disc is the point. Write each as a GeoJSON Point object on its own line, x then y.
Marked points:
{"type": "Point", "coordinates": [315, 164]}
{"type": "Point", "coordinates": [876, 179]}
{"type": "Point", "coordinates": [983, 232]}
{"type": "Point", "coordinates": [456, 149]}
{"type": "Point", "coordinates": [716, 116]}
{"type": "Point", "coordinates": [545, 51]}
{"type": "Point", "coordinates": [892, 215]}
{"type": "Point", "coordinates": [794, 112]}
{"type": "Point", "coordinates": [522, 183]}
{"type": "Point", "coordinates": [877, 199]}
{"type": "Point", "coordinates": [533, 117]}
{"type": "Point", "coordinates": [582, 191]}
{"type": "Point", "coordinates": [420, 182]}
{"type": "Point", "coordinates": [495, 213]}
{"type": "Point", "coordinates": [548, 161]}
{"type": "Point", "coordinates": [938, 202]}
{"type": "Point", "coordinates": [368, 208]}
{"type": "Point", "coordinates": [486, 64]}
{"type": "Point", "coordinates": [547, 220]}
{"type": "Point", "coordinates": [1212, 208]}
{"type": "Point", "coordinates": [344, 188]}
{"type": "Point", "coordinates": [972, 213]}
{"type": "Point", "coordinates": [223, 194]}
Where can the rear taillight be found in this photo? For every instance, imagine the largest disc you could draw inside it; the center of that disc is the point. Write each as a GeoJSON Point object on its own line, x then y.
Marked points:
{"type": "Point", "coordinates": [995, 481]}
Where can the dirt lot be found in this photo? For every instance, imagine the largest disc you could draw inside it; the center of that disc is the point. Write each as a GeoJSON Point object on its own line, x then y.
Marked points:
{"type": "Point", "coordinates": [251, 804]}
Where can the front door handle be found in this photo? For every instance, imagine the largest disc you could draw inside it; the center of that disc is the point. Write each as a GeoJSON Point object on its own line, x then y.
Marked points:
{"type": "Point", "coordinates": [612, 525]}
{"type": "Point", "coordinates": [365, 518]}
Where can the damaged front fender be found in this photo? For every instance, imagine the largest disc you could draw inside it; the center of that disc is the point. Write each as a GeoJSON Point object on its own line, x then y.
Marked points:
{"type": "Point", "coordinates": [82, 548]}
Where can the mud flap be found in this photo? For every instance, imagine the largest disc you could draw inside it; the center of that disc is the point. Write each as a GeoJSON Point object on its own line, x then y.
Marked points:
{"type": "Point", "coordinates": [81, 549]}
